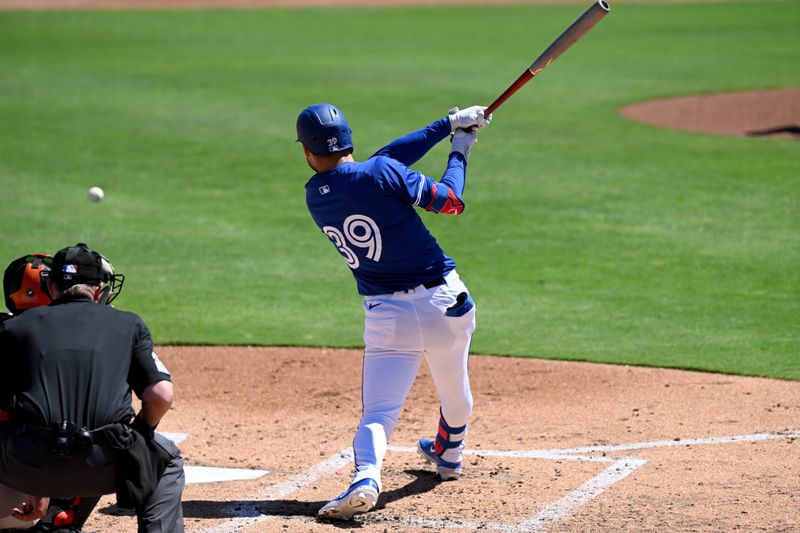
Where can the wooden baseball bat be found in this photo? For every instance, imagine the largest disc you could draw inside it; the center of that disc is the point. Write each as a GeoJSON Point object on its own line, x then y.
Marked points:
{"type": "Point", "coordinates": [576, 30]}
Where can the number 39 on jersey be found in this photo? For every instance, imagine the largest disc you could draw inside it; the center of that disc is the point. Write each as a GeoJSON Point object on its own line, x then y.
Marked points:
{"type": "Point", "coordinates": [358, 231]}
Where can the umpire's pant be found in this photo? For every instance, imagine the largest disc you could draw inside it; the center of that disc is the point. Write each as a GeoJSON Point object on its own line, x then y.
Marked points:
{"type": "Point", "coordinates": [27, 464]}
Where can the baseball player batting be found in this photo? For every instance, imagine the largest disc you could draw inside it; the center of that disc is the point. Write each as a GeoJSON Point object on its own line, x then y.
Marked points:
{"type": "Point", "coordinates": [416, 305]}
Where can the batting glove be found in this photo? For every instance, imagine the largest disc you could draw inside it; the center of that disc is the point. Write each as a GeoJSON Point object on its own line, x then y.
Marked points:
{"type": "Point", "coordinates": [466, 118]}
{"type": "Point", "coordinates": [463, 141]}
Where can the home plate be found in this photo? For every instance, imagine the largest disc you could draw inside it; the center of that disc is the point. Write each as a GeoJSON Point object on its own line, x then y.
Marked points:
{"type": "Point", "coordinates": [211, 474]}
{"type": "Point", "coordinates": [177, 438]}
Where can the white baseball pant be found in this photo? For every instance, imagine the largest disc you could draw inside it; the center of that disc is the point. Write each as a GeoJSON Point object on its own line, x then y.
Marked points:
{"type": "Point", "coordinates": [400, 330]}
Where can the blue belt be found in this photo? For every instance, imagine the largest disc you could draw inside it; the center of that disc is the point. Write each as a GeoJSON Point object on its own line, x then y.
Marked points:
{"type": "Point", "coordinates": [434, 283]}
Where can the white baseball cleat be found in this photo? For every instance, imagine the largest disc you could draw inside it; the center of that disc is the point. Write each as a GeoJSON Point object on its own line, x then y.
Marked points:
{"type": "Point", "coordinates": [445, 469]}
{"type": "Point", "coordinates": [360, 497]}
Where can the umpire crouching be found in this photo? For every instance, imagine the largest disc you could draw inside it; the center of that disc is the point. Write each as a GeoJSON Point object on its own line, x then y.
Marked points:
{"type": "Point", "coordinates": [70, 368]}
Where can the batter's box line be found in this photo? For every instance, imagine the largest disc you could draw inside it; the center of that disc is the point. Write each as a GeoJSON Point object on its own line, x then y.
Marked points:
{"type": "Point", "coordinates": [553, 513]}
{"type": "Point", "coordinates": [570, 454]}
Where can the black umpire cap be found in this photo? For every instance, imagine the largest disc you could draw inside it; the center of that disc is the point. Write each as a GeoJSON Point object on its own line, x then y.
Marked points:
{"type": "Point", "coordinates": [78, 264]}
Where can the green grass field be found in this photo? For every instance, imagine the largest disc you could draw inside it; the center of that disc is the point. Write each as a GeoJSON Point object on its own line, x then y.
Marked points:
{"type": "Point", "coordinates": [585, 236]}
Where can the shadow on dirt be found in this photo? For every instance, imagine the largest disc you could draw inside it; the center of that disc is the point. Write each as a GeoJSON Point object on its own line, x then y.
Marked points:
{"type": "Point", "coordinates": [423, 482]}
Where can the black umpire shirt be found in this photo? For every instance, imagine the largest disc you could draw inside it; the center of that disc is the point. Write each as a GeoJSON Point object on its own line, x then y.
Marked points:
{"type": "Point", "coordinates": [76, 361]}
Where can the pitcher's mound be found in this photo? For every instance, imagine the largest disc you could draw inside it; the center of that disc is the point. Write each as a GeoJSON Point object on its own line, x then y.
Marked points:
{"type": "Point", "coordinates": [773, 113]}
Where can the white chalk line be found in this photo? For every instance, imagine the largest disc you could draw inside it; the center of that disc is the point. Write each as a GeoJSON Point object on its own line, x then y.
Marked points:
{"type": "Point", "coordinates": [677, 442]}
{"type": "Point", "coordinates": [554, 512]}
{"type": "Point", "coordinates": [568, 454]}
{"type": "Point", "coordinates": [245, 517]}
{"type": "Point", "coordinates": [591, 489]}
{"type": "Point", "coordinates": [544, 518]}
{"type": "Point", "coordinates": [554, 455]}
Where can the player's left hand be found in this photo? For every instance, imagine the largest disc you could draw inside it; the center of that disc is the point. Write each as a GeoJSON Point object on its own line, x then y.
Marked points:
{"type": "Point", "coordinates": [463, 141]}
{"type": "Point", "coordinates": [33, 508]}
{"type": "Point", "coordinates": [466, 118]}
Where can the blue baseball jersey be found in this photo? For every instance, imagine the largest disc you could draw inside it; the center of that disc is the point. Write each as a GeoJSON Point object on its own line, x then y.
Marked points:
{"type": "Point", "coordinates": [367, 210]}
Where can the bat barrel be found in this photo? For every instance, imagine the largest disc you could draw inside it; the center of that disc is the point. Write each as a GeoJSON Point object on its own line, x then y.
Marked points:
{"type": "Point", "coordinates": [576, 30]}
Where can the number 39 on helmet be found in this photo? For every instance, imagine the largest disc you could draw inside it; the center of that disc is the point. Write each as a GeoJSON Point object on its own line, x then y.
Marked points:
{"type": "Point", "coordinates": [25, 282]}
{"type": "Point", "coordinates": [323, 129]}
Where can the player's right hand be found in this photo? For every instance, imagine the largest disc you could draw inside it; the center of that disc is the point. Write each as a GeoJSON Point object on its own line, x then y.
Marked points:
{"type": "Point", "coordinates": [463, 141]}
{"type": "Point", "coordinates": [466, 118]}
{"type": "Point", "coordinates": [31, 509]}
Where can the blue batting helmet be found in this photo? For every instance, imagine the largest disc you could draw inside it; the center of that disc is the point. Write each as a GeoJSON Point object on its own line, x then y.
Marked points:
{"type": "Point", "coordinates": [323, 129]}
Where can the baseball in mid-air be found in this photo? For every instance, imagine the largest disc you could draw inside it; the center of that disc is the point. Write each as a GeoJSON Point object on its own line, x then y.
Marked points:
{"type": "Point", "coordinates": [95, 194]}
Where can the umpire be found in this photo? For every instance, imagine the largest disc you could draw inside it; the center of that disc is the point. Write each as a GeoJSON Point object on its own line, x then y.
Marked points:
{"type": "Point", "coordinates": [70, 368]}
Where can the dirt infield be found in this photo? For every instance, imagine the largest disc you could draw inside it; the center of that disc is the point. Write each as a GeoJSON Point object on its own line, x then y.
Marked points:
{"type": "Point", "coordinates": [554, 446]}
